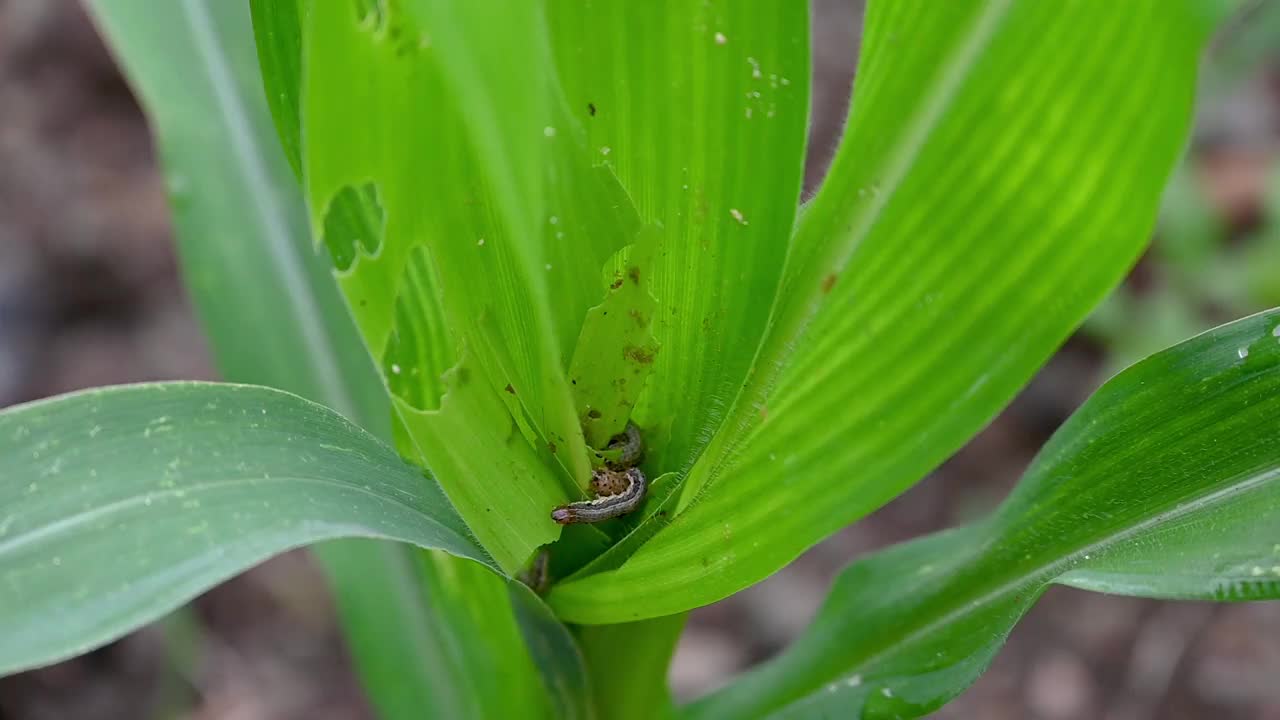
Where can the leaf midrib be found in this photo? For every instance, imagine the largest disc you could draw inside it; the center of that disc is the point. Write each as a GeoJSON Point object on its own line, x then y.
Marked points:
{"type": "Point", "coordinates": [70, 522]}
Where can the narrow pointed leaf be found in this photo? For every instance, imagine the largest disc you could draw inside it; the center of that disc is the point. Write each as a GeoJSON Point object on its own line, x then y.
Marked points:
{"type": "Point", "coordinates": [1000, 173]}
{"type": "Point", "coordinates": [1166, 484]}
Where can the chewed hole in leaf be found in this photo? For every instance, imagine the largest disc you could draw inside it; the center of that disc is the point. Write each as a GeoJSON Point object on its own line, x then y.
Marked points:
{"type": "Point", "coordinates": [387, 21]}
{"type": "Point", "coordinates": [353, 224]}
{"type": "Point", "coordinates": [370, 14]}
{"type": "Point", "coordinates": [420, 349]}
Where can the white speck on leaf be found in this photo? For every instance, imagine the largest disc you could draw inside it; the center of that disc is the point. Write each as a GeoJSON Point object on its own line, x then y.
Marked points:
{"type": "Point", "coordinates": [549, 131]}
{"type": "Point", "coordinates": [395, 369]}
{"type": "Point", "coordinates": [736, 214]}
{"type": "Point", "coordinates": [480, 242]}
{"type": "Point", "coordinates": [854, 681]}
{"type": "Point", "coordinates": [1242, 353]}
{"type": "Point", "coordinates": [721, 39]}
{"type": "Point", "coordinates": [604, 150]}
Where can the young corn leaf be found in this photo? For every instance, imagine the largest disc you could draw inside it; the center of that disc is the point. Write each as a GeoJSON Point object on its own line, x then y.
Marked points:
{"type": "Point", "coordinates": [1000, 172]}
{"type": "Point", "coordinates": [120, 504]}
{"type": "Point", "coordinates": [1165, 484]}
{"type": "Point", "coordinates": [481, 182]}
{"type": "Point", "coordinates": [605, 392]}
{"type": "Point", "coordinates": [274, 317]}
{"type": "Point", "coordinates": [701, 110]}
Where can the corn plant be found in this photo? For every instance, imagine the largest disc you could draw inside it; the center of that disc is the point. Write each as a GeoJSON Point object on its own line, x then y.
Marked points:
{"type": "Point", "coordinates": [461, 248]}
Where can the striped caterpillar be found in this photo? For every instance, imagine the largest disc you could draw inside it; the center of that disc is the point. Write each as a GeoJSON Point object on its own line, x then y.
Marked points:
{"type": "Point", "coordinates": [619, 488]}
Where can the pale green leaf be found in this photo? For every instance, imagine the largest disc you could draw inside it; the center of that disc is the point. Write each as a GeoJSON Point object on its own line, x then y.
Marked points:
{"type": "Point", "coordinates": [1000, 172]}
{"type": "Point", "coordinates": [485, 202]}
{"type": "Point", "coordinates": [700, 109]}
{"type": "Point", "coordinates": [616, 350]}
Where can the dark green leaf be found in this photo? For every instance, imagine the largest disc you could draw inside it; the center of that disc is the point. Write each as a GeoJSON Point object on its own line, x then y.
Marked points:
{"type": "Point", "coordinates": [1165, 484]}
{"type": "Point", "coordinates": [120, 504]}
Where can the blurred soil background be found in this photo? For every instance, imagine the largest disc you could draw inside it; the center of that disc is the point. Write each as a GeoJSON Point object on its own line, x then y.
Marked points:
{"type": "Point", "coordinates": [90, 295]}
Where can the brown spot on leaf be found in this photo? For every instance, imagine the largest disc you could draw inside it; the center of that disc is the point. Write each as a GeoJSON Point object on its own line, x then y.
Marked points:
{"type": "Point", "coordinates": [617, 283]}
{"type": "Point", "coordinates": [552, 447]}
{"type": "Point", "coordinates": [644, 356]}
{"type": "Point", "coordinates": [633, 272]}
{"type": "Point", "coordinates": [828, 282]}
{"type": "Point", "coordinates": [591, 109]}
{"type": "Point", "coordinates": [594, 414]}
{"type": "Point", "coordinates": [510, 389]}
{"type": "Point", "coordinates": [639, 317]}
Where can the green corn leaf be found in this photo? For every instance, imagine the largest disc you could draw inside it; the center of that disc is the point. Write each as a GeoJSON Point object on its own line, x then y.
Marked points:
{"type": "Point", "coordinates": [481, 199]}
{"type": "Point", "coordinates": [274, 316]}
{"type": "Point", "coordinates": [700, 109]}
{"type": "Point", "coordinates": [120, 504]}
{"type": "Point", "coordinates": [1165, 484]}
{"type": "Point", "coordinates": [999, 174]}
{"type": "Point", "coordinates": [604, 390]}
